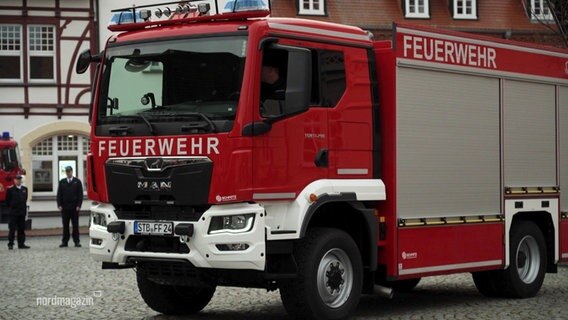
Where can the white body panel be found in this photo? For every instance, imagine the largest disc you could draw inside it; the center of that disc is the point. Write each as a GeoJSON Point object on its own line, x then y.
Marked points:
{"type": "Point", "coordinates": [530, 205]}
{"type": "Point", "coordinates": [289, 215]}
{"type": "Point", "coordinates": [203, 252]}
{"type": "Point", "coordinates": [269, 216]}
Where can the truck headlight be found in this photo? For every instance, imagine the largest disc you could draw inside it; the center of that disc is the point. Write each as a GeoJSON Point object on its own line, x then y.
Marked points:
{"type": "Point", "coordinates": [231, 224]}
{"type": "Point", "coordinates": [99, 219]}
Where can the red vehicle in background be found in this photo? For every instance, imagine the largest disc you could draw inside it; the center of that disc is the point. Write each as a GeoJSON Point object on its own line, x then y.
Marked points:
{"type": "Point", "coordinates": [10, 166]}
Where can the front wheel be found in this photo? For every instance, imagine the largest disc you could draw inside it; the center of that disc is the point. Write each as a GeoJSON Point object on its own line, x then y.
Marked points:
{"type": "Point", "coordinates": [329, 279]}
{"type": "Point", "coordinates": [173, 300]}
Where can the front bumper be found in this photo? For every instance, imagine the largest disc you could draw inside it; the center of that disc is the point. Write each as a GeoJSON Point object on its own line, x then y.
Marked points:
{"type": "Point", "coordinates": [203, 250]}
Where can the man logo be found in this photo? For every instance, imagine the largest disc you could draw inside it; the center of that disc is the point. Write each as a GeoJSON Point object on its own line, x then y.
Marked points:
{"type": "Point", "coordinates": [142, 185]}
{"type": "Point", "coordinates": [154, 185]}
{"type": "Point", "coordinates": [154, 164]}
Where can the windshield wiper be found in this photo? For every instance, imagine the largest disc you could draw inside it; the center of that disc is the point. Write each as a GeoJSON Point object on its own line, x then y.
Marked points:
{"type": "Point", "coordinates": [190, 114]}
{"type": "Point", "coordinates": [138, 116]}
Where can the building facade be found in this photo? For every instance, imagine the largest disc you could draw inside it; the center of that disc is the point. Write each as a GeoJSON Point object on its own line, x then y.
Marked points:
{"type": "Point", "coordinates": [522, 20]}
{"type": "Point", "coordinates": [43, 102]}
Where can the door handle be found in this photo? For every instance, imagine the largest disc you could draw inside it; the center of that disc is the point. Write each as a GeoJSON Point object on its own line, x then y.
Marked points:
{"type": "Point", "coordinates": [256, 128]}
{"type": "Point", "coordinates": [321, 160]}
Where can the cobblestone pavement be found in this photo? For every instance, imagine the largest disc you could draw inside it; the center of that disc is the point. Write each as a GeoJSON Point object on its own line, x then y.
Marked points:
{"type": "Point", "coordinates": [30, 277]}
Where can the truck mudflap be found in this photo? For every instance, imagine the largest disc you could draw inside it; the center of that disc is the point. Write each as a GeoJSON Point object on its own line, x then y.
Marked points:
{"type": "Point", "coordinates": [205, 248]}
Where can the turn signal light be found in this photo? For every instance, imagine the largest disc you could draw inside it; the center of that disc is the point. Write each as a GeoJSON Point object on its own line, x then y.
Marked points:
{"type": "Point", "coordinates": [313, 197]}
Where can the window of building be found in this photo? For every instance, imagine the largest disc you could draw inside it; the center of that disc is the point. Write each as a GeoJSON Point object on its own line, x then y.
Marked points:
{"type": "Point", "coordinates": [539, 11]}
{"type": "Point", "coordinates": [50, 157]}
{"type": "Point", "coordinates": [10, 52]}
{"type": "Point", "coordinates": [465, 9]}
{"type": "Point", "coordinates": [40, 49]}
{"type": "Point", "coordinates": [417, 9]}
{"type": "Point", "coordinates": [312, 7]}
{"type": "Point", "coordinates": [41, 52]}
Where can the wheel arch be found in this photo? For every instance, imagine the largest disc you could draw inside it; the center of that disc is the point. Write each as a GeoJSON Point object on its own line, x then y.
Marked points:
{"type": "Point", "coordinates": [545, 223]}
{"type": "Point", "coordinates": [544, 212]}
{"type": "Point", "coordinates": [344, 212]}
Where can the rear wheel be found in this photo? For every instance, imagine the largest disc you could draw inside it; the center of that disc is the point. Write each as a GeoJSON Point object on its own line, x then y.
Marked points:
{"type": "Point", "coordinates": [173, 300]}
{"type": "Point", "coordinates": [489, 283]}
{"type": "Point", "coordinates": [526, 272]}
{"type": "Point", "coordinates": [329, 279]}
{"type": "Point", "coordinates": [527, 265]}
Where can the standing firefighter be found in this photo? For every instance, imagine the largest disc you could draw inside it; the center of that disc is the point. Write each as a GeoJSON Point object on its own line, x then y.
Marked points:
{"type": "Point", "coordinates": [69, 200]}
{"type": "Point", "coordinates": [16, 199]}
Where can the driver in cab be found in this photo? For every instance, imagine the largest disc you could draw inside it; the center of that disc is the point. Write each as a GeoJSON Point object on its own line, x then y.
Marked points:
{"type": "Point", "coordinates": [273, 82]}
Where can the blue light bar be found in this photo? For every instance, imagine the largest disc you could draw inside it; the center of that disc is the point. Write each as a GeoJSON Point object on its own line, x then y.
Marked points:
{"type": "Point", "coordinates": [6, 135]}
{"type": "Point", "coordinates": [125, 17]}
{"type": "Point", "coordinates": [244, 5]}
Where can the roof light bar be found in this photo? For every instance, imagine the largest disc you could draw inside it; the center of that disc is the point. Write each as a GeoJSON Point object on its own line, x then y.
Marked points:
{"type": "Point", "coordinates": [145, 14]}
{"type": "Point", "coordinates": [232, 6]}
{"type": "Point", "coordinates": [204, 8]}
{"type": "Point", "coordinates": [140, 17]}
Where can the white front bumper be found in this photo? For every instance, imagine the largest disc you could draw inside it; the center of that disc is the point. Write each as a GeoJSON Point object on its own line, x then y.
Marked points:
{"type": "Point", "coordinates": [203, 252]}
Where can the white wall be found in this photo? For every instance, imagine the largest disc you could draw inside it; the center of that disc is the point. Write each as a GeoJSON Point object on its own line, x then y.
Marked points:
{"type": "Point", "coordinates": [19, 126]}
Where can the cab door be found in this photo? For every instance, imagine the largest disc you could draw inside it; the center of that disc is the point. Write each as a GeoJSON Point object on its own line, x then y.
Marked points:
{"type": "Point", "coordinates": [293, 150]}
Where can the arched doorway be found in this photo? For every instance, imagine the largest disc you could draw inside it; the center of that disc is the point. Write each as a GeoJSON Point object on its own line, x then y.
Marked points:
{"type": "Point", "coordinates": [51, 155]}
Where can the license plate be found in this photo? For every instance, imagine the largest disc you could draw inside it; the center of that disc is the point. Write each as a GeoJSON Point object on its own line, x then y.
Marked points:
{"type": "Point", "coordinates": [159, 228]}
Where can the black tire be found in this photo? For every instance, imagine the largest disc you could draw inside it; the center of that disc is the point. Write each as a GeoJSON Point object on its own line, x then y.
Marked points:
{"type": "Point", "coordinates": [525, 274]}
{"type": "Point", "coordinates": [525, 283]}
{"type": "Point", "coordinates": [406, 285]}
{"type": "Point", "coordinates": [489, 283]}
{"type": "Point", "coordinates": [328, 250]}
{"type": "Point", "coordinates": [173, 300]}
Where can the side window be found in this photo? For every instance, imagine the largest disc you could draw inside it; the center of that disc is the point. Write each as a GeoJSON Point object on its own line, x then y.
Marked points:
{"type": "Point", "coordinates": [292, 79]}
{"type": "Point", "coordinates": [273, 82]}
{"type": "Point", "coordinates": [332, 81]}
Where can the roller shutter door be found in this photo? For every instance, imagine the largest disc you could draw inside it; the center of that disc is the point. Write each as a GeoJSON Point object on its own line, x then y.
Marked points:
{"type": "Point", "coordinates": [529, 134]}
{"type": "Point", "coordinates": [563, 109]}
{"type": "Point", "coordinates": [448, 131]}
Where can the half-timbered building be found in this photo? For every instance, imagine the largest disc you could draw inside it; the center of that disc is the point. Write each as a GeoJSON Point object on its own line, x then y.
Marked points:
{"type": "Point", "coordinates": [43, 103]}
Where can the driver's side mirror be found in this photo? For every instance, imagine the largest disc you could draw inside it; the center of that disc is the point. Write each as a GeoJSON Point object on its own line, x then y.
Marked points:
{"type": "Point", "coordinates": [299, 81]}
{"type": "Point", "coordinates": [84, 60]}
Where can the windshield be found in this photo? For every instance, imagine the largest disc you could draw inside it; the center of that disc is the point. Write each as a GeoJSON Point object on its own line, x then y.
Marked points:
{"type": "Point", "coordinates": [9, 159]}
{"type": "Point", "coordinates": [194, 82]}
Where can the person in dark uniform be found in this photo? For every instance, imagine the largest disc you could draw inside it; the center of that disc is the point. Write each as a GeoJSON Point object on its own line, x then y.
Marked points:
{"type": "Point", "coordinates": [69, 200]}
{"type": "Point", "coordinates": [16, 199]}
{"type": "Point", "coordinates": [273, 82]}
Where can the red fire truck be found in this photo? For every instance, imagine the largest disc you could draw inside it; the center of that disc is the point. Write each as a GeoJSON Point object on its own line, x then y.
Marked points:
{"type": "Point", "coordinates": [10, 166]}
{"type": "Point", "coordinates": [242, 150]}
